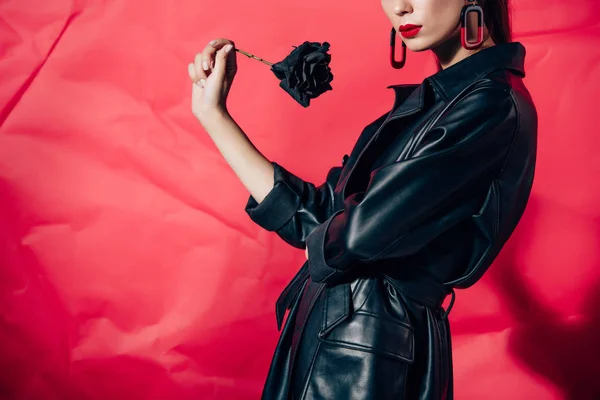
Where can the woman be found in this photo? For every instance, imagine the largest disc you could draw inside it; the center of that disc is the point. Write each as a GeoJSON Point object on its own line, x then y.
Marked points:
{"type": "Point", "coordinates": [423, 204]}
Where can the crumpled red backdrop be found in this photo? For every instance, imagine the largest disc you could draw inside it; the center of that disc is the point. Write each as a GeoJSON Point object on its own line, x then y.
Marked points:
{"type": "Point", "coordinates": [128, 266]}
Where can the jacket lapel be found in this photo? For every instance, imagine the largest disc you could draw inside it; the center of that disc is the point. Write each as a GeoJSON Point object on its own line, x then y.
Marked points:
{"type": "Point", "coordinates": [409, 99]}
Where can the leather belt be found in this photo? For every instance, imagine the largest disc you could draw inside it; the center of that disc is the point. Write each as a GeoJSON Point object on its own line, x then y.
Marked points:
{"type": "Point", "coordinates": [425, 290]}
{"type": "Point", "coordinates": [290, 293]}
{"type": "Point", "coordinates": [419, 287]}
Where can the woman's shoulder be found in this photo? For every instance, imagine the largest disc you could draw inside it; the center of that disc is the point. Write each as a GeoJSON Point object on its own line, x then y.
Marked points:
{"type": "Point", "coordinates": [499, 91]}
{"type": "Point", "coordinates": [503, 87]}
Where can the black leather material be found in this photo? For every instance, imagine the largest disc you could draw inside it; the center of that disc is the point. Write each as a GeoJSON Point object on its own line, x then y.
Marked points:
{"type": "Point", "coordinates": [423, 204]}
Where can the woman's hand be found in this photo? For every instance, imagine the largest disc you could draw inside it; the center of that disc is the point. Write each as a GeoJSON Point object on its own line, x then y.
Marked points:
{"type": "Point", "coordinates": [306, 252]}
{"type": "Point", "coordinates": [212, 74]}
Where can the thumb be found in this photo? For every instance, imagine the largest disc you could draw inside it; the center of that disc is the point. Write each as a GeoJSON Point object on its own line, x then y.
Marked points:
{"type": "Point", "coordinates": [221, 61]}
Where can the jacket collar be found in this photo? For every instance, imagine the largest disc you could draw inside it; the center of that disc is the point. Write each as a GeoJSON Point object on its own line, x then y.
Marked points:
{"type": "Point", "coordinates": [450, 81]}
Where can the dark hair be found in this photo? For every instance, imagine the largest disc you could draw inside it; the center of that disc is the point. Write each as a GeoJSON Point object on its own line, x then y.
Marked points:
{"type": "Point", "coordinates": [496, 15]}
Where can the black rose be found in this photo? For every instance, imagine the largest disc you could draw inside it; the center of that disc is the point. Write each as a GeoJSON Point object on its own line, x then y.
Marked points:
{"type": "Point", "coordinates": [305, 72]}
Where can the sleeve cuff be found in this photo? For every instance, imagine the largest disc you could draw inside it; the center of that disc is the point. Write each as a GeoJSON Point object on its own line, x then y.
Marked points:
{"type": "Point", "coordinates": [280, 204]}
{"type": "Point", "coordinates": [320, 271]}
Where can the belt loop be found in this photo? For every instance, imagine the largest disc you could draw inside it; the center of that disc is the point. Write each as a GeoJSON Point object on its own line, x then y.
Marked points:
{"type": "Point", "coordinates": [444, 313]}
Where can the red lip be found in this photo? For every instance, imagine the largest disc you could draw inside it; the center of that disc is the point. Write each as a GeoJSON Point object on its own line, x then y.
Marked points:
{"type": "Point", "coordinates": [409, 30]}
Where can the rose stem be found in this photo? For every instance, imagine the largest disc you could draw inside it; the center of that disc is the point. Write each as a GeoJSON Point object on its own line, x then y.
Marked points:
{"type": "Point", "coordinates": [253, 56]}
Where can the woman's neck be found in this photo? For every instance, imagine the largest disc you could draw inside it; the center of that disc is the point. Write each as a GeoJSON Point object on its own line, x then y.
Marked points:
{"type": "Point", "coordinates": [452, 51]}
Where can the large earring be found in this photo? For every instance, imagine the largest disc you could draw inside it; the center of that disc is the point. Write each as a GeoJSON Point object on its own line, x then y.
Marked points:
{"type": "Point", "coordinates": [471, 7]}
{"type": "Point", "coordinates": [396, 64]}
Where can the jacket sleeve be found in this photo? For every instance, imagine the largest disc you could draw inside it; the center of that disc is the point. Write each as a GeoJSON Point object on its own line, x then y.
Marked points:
{"type": "Point", "coordinates": [409, 203]}
{"type": "Point", "coordinates": [294, 208]}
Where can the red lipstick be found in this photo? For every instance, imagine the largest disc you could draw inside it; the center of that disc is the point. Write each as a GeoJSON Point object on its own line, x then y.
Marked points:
{"type": "Point", "coordinates": [409, 30]}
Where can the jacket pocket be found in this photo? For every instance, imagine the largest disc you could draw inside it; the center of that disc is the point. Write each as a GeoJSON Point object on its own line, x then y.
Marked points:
{"type": "Point", "coordinates": [374, 334]}
{"type": "Point", "coordinates": [361, 354]}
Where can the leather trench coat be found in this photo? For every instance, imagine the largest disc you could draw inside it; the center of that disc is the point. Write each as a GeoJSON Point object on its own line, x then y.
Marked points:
{"type": "Point", "coordinates": [423, 204]}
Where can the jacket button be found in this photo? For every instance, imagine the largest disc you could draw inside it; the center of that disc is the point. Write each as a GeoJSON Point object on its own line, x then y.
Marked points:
{"type": "Point", "coordinates": [344, 159]}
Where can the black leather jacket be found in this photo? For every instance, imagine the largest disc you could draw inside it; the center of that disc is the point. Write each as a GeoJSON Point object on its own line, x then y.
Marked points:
{"type": "Point", "coordinates": [425, 201]}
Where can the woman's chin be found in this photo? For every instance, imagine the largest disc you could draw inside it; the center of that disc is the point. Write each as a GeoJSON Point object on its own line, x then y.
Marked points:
{"type": "Point", "coordinates": [417, 44]}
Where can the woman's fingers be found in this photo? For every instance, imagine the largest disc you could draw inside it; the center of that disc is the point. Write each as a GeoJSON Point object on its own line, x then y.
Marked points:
{"type": "Point", "coordinates": [192, 72]}
{"type": "Point", "coordinates": [221, 61]}
{"type": "Point", "coordinates": [205, 62]}
{"type": "Point", "coordinates": [209, 52]}
{"type": "Point", "coordinates": [200, 72]}
{"type": "Point", "coordinates": [218, 43]}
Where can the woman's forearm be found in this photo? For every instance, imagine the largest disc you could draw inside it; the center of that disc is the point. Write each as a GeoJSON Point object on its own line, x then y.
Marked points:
{"type": "Point", "coordinates": [252, 168]}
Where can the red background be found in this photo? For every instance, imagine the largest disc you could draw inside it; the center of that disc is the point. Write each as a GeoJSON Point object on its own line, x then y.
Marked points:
{"type": "Point", "coordinates": [129, 269]}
